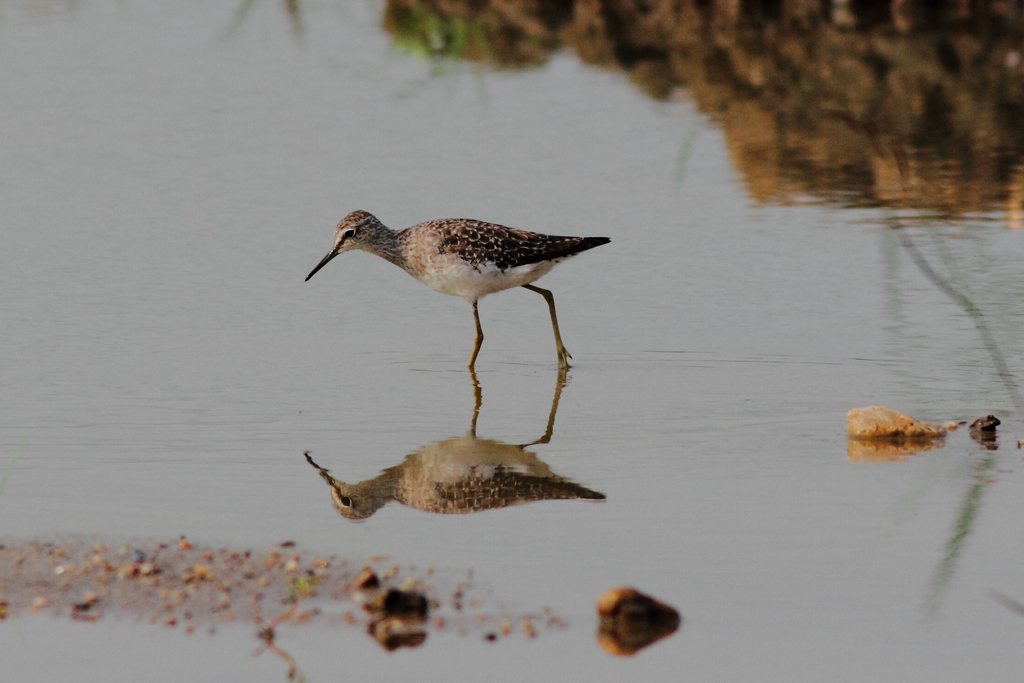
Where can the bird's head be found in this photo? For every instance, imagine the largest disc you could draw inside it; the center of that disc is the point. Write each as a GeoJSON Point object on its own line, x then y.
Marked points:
{"type": "Point", "coordinates": [353, 232]}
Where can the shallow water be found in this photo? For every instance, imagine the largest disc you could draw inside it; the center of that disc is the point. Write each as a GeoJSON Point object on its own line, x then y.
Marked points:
{"type": "Point", "coordinates": [171, 174]}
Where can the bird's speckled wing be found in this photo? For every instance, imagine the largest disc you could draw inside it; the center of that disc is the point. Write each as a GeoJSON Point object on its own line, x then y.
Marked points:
{"type": "Point", "coordinates": [479, 243]}
{"type": "Point", "coordinates": [502, 489]}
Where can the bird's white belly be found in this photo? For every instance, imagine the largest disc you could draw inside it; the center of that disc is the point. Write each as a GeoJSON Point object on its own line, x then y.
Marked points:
{"type": "Point", "coordinates": [458, 278]}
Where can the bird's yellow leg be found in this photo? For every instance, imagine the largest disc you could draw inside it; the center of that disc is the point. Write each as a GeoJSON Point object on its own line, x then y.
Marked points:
{"type": "Point", "coordinates": [478, 398]}
{"type": "Point", "coordinates": [479, 340]}
{"type": "Point", "coordinates": [563, 355]}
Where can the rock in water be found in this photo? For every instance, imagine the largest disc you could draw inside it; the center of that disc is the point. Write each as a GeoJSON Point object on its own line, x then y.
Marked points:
{"type": "Point", "coordinates": [630, 621]}
{"type": "Point", "coordinates": [877, 422]}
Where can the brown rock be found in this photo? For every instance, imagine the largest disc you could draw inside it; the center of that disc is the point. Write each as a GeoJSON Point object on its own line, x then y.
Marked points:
{"type": "Point", "coordinates": [366, 579]}
{"type": "Point", "coordinates": [397, 603]}
{"type": "Point", "coordinates": [630, 621]}
{"type": "Point", "coordinates": [877, 422]}
{"type": "Point", "coordinates": [983, 431]}
{"type": "Point", "coordinates": [986, 424]}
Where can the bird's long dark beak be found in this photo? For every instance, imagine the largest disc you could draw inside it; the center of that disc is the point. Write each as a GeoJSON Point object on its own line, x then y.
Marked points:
{"type": "Point", "coordinates": [331, 254]}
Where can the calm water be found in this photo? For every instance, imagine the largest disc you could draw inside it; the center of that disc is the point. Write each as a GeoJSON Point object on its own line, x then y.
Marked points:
{"type": "Point", "coordinates": [169, 176]}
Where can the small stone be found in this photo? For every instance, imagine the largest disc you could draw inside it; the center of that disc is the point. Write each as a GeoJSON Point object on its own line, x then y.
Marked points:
{"type": "Point", "coordinates": [630, 621]}
{"type": "Point", "coordinates": [396, 603]}
{"type": "Point", "coordinates": [528, 629]}
{"type": "Point", "coordinates": [200, 572]}
{"type": "Point", "coordinates": [983, 431]}
{"type": "Point", "coordinates": [366, 579]}
{"type": "Point", "coordinates": [878, 422]}
{"type": "Point", "coordinates": [986, 424]}
{"type": "Point", "coordinates": [82, 611]}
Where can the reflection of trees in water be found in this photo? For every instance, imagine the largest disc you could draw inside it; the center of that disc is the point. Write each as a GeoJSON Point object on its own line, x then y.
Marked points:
{"type": "Point", "coordinates": [941, 89]}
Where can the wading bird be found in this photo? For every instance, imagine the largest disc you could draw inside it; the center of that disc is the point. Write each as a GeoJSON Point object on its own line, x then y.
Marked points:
{"type": "Point", "coordinates": [464, 258]}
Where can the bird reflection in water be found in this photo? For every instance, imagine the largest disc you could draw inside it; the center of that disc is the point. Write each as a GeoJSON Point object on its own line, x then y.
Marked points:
{"type": "Point", "coordinates": [461, 475]}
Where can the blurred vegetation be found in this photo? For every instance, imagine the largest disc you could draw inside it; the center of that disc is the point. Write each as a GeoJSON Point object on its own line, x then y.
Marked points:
{"type": "Point", "coordinates": [506, 33]}
{"type": "Point", "coordinates": [904, 104]}
{"type": "Point", "coordinates": [430, 36]}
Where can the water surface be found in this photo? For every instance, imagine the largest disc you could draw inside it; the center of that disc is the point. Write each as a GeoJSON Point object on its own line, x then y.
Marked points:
{"type": "Point", "coordinates": [172, 172]}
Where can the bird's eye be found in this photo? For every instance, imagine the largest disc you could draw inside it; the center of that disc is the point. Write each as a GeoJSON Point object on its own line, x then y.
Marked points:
{"type": "Point", "coordinates": [349, 234]}
{"type": "Point", "coordinates": [346, 502]}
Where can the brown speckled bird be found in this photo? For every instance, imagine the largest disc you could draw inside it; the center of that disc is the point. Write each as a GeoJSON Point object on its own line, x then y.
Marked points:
{"type": "Point", "coordinates": [464, 258]}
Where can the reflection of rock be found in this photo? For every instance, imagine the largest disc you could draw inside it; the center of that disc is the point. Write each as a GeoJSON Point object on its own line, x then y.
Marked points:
{"type": "Point", "coordinates": [460, 475]}
{"type": "Point", "coordinates": [877, 422]}
{"type": "Point", "coordinates": [883, 450]}
{"type": "Point", "coordinates": [630, 621]}
{"type": "Point", "coordinates": [393, 633]}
